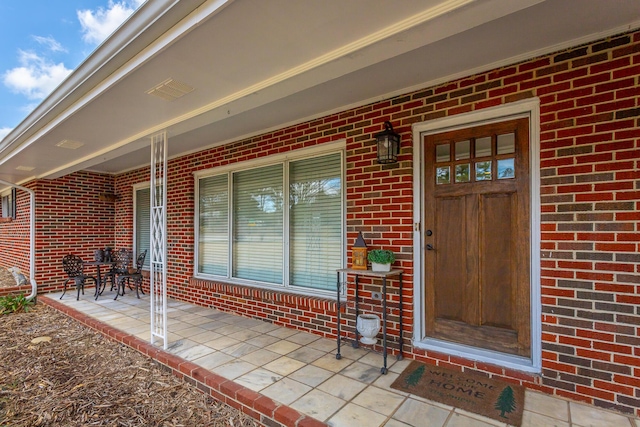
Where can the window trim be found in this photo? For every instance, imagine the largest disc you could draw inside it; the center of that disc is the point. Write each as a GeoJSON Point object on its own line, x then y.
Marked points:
{"type": "Point", "coordinates": [136, 188]}
{"type": "Point", "coordinates": [12, 195]}
{"type": "Point", "coordinates": [296, 155]}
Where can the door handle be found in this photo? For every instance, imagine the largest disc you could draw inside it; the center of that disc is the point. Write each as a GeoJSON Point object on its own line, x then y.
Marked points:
{"type": "Point", "coordinates": [429, 247]}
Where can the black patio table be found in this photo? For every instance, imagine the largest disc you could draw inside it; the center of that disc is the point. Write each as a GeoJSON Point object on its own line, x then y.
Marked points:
{"type": "Point", "coordinates": [102, 280]}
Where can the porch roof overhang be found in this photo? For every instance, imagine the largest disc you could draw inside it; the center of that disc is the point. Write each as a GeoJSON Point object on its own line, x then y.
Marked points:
{"type": "Point", "coordinates": [256, 66]}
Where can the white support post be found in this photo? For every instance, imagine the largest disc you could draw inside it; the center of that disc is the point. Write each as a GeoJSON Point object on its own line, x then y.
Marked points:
{"type": "Point", "coordinates": [158, 239]}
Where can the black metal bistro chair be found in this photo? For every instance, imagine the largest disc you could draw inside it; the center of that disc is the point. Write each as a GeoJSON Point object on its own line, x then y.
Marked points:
{"type": "Point", "coordinates": [74, 267]}
{"type": "Point", "coordinates": [122, 259]}
{"type": "Point", "coordinates": [132, 276]}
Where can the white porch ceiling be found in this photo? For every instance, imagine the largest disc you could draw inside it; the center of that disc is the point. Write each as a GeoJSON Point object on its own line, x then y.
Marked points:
{"type": "Point", "coordinates": [256, 65]}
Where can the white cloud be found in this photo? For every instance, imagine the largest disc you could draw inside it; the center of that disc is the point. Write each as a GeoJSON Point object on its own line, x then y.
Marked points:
{"type": "Point", "coordinates": [51, 43]}
{"type": "Point", "coordinates": [98, 24]}
{"type": "Point", "coordinates": [36, 77]}
{"type": "Point", "coordinates": [4, 132]}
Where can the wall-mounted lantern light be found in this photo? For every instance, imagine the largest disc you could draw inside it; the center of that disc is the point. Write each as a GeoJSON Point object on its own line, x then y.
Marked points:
{"type": "Point", "coordinates": [388, 145]}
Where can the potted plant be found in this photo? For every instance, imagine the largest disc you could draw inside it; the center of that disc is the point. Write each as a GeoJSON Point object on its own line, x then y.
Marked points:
{"type": "Point", "coordinates": [381, 259]}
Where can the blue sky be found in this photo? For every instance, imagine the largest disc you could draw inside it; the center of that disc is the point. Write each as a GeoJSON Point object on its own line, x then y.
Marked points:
{"type": "Point", "coordinates": [42, 41]}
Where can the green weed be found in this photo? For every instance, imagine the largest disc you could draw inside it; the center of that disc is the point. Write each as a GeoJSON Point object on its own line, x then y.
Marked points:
{"type": "Point", "coordinates": [14, 304]}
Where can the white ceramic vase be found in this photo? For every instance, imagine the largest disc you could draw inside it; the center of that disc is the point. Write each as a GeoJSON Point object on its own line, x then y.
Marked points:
{"type": "Point", "coordinates": [368, 325]}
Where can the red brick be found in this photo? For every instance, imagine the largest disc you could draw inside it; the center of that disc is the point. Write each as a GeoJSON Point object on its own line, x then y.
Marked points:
{"type": "Point", "coordinates": [623, 379]}
{"type": "Point", "coordinates": [597, 355]}
{"type": "Point", "coordinates": [265, 406]}
{"type": "Point", "coordinates": [599, 394]}
{"type": "Point", "coordinates": [247, 397]}
{"type": "Point", "coordinates": [310, 422]}
{"type": "Point", "coordinates": [229, 388]}
{"type": "Point", "coordinates": [561, 367]}
{"type": "Point", "coordinates": [287, 416]}
{"type": "Point", "coordinates": [612, 348]}
{"type": "Point", "coordinates": [626, 360]}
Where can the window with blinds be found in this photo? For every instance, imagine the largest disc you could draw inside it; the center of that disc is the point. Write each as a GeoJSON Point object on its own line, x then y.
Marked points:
{"type": "Point", "coordinates": [9, 204]}
{"type": "Point", "coordinates": [315, 212]}
{"type": "Point", "coordinates": [213, 236]}
{"type": "Point", "coordinates": [257, 224]}
{"type": "Point", "coordinates": [142, 215]}
{"type": "Point", "coordinates": [247, 230]}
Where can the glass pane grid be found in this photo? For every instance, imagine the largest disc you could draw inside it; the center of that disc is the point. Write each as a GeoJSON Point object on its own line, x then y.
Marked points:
{"type": "Point", "coordinates": [506, 168]}
{"type": "Point", "coordinates": [484, 158]}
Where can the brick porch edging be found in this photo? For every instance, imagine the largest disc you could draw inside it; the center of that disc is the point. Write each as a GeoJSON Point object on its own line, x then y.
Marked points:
{"type": "Point", "coordinates": [15, 290]}
{"type": "Point", "coordinates": [261, 408]}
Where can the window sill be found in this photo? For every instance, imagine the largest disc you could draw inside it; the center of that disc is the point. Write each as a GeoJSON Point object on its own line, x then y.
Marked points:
{"type": "Point", "coordinates": [5, 219]}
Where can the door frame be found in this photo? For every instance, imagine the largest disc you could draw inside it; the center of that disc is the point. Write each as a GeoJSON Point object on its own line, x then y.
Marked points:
{"type": "Point", "coordinates": [529, 108]}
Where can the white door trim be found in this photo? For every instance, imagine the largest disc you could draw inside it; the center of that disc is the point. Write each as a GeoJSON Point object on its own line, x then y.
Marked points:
{"type": "Point", "coordinates": [529, 108]}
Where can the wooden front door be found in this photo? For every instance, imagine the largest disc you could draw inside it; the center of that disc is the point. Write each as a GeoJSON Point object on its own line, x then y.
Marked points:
{"type": "Point", "coordinates": [477, 232]}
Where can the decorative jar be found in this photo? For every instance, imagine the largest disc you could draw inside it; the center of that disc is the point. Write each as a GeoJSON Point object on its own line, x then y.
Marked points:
{"type": "Point", "coordinates": [368, 325]}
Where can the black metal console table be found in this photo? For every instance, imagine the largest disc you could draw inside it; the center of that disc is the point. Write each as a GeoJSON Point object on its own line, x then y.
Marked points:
{"type": "Point", "coordinates": [383, 276]}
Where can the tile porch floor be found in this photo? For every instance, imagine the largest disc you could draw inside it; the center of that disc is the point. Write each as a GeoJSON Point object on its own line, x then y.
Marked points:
{"type": "Point", "coordinates": [300, 370]}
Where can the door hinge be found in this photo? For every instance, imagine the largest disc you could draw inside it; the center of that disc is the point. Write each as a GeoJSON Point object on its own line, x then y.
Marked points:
{"type": "Point", "coordinates": [416, 226]}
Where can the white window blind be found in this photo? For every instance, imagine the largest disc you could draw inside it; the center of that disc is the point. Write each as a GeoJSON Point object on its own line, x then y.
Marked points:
{"type": "Point", "coordinates": [315, 200]}
{"type": "Point", "coordinates": [6, 206]}
{"type": "Point", "coordinates": [213, 234]}
{"type": "Point", "coordinates": [142, 215]}
{"type": "Point", "coordinates": [258, 224]}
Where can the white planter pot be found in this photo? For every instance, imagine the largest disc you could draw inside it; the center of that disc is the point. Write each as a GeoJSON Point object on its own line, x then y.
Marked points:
{"type": "Point", "coordinates": [380, 267]}
{"type": "Point", "coordinates": [368, 325]}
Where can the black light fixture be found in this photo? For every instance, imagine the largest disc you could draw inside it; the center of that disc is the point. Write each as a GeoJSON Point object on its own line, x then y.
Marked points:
{"type": "Point", "coordinates": [388, 145]}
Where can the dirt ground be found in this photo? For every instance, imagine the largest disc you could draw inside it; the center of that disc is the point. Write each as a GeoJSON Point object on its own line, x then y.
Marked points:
{"type": "Point", "coordinates": [56, 372]}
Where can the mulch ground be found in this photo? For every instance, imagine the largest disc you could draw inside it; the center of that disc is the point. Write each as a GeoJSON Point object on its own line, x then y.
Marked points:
{"type": "Point", "coordinates": [6, 278]}
{"type": "Point", "coordinates": [56, 372]}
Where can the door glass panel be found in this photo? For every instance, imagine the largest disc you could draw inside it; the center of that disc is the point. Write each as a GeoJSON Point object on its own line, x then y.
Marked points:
{"type": "Point", "coordinates": [507, 143]}
{"type": "Point", "coordinates": [443, 153]}
{"type": "Point", "coordinates": [483, 147]}
{"type": "Point", "coordinates": [462, 173]}
{"type": "Point", "coordinates": [443, 175]}
{"type": "Point", "coordinates": [463, 149]}
{"type": "Point", "coordinates": [483, 171]}
{"type": "Point", "coordinates": [506, 169]}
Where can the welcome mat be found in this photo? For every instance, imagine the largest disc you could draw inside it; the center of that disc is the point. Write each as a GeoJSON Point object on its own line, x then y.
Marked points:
{"type": "Point", "coordinates": [465, 390]}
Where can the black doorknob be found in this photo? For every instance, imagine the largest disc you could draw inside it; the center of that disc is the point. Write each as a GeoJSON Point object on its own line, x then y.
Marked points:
{"type": "Point", "coordinates": [429, 247]}
{"type": "Point", "coordinates": [429, 233]}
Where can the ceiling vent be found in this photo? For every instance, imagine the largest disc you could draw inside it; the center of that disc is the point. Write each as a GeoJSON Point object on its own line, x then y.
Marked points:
{"type": "Point", "coordinates": [67, 143]}
{"type": "Point", "coordinates": [170, 90]}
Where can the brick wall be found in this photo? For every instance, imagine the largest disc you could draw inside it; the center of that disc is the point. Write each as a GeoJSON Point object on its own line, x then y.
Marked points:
{"type": "Point", "coordinates": [14, 235]}
{"type": "Point", "coordinates": [589, 150]}
{"type": "Point", "coordinates": [70, 218]}
{"type": "Point", "coordinates": [24, 290]}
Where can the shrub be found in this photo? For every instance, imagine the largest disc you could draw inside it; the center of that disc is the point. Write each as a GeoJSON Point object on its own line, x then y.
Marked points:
{"type": "Point", "coordinates": [381, 256]}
